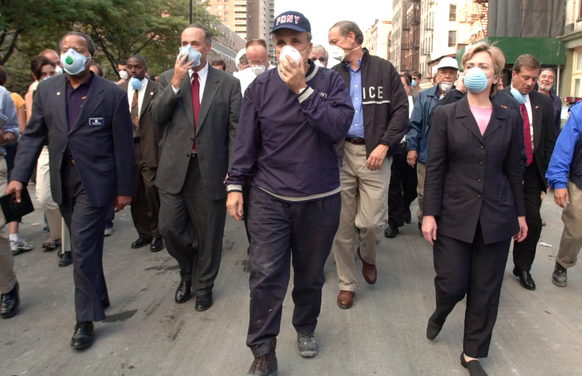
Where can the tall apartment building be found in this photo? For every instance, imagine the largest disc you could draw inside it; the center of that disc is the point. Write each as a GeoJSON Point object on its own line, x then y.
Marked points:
{"type": "Point", "coordinates": [405, 41]}
{"type": "Point", "coordinates": [247, 18]}
{"type": "Point", "coordinates": [396, 38]}
{"type": "Point", "coordinates": [378, 38]}
{"type": "Point", "coordinates": [438, 33]}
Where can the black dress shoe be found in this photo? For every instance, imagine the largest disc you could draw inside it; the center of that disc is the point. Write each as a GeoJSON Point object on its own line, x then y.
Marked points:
{"type": "Point", "coordinates": [183, 292]}
{"type": "Point", "coordinates": [391, 231]}
{"type": "Point", "coordinates": [105, 303]}
{"type": "Point", "coordinates": [157, 244]}
{"type": "Point", "coordinates": [83, 336]}
{"type": "Point", "coordinates": [203, 302]}
{"type": "Point", "coordinates": [473, 366]}
{"type": "Point", "coordinates": [524, 278]}
{"type": "Point", "coordinates": [66, 259]}
{"type": "Point", "coordinates": [9, 303]}
{"type": "Point", "coordinates": [140, 242]}
{"type": "Point", "coordinates": [433, 330]}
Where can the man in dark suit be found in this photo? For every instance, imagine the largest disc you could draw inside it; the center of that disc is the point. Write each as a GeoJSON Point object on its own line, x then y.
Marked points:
{"type": "Point", "coordinates": [198, 107]}
{"type": "Point", "coordinates": [147, 134]}
{"type": "Point", "coordinates": [86, 123]}
{"type": "Point", "coordinates": [539, 136]}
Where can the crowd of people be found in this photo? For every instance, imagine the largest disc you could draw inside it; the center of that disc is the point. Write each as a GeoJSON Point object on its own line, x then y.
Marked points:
{"type": "Point", "coordinates": [310, 158]}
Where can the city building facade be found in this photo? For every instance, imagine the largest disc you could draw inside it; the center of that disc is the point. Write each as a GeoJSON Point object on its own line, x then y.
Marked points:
{"type": "Point", "coordinates": [378, 38]}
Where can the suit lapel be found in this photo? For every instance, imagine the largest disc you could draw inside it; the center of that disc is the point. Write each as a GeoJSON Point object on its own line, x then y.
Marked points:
{"type": "Point", "coordinates": [497, 119]}
{"type": "Point", "coordinates": [186, 98]}
{"type": "Point", "coordinates": [468, 120]}
{"type": "Point", "coordinates": [147, 97]}
{"type": "Point", "coordinates": [61, 102]}
{"type": "Point", "coordinates": [93, 100]}
{"type": "Point", "coordinates": [210, 90]}
{"type": "Point", "coordinates": [537, 114]}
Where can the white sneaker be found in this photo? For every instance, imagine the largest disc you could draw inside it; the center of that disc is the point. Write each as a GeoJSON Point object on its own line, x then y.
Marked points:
{"type": "Point", "coordinates": [20, 246]}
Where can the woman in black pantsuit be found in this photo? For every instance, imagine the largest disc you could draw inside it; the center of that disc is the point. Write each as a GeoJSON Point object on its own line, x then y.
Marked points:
{"type": "Point", "coordinates": [473, 201]}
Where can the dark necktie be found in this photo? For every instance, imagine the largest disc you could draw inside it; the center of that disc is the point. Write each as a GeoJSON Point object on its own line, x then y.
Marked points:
{"type": "Point", "coordinates": [526, 134]}
{"type": "Point", "coordinates": [135, 113]}
{"type": "Point", "coordinates": [195, 88]}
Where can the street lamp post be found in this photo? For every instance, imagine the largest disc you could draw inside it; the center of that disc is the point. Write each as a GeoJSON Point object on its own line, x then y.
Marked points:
{"type": "Point", "coordinates": [190, 11]}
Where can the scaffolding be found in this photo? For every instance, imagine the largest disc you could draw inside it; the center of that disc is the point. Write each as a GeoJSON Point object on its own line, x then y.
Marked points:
{"type": "Point", "coordinates": [473, 19]}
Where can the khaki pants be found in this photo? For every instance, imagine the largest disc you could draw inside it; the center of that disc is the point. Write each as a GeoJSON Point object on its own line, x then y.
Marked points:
{"type": "Point", "coordinates": [44, 196]}
{"type": "Point", "coordinates": [365, 207]}
{"type": "Point", "coordinates": [7, 276]}
{"type": "Point", "coordinates": [421, 174]}
{"type": "Point", "coordinates": [571, 241]}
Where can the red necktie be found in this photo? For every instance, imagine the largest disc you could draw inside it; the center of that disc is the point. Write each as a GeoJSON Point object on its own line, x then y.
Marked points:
{"type": "Point", "coordinates": [526, 134]}
{"type": "Point", "coordinates": [195, 88]}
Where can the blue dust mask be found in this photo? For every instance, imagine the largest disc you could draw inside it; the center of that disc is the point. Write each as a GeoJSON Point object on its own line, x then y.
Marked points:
{"type": "Point", "coordinates": [192, 54]}
{"type": "Point", "coordinates": [413, 83]}
{"type": "Point", "coordinates": [475, 80]}
{"type": "Point", "coordinates": [73, 62]}
{"type": "Point", "coordinates": [135, 83]}
{"type": "Point", "coordinates": [519, 97]}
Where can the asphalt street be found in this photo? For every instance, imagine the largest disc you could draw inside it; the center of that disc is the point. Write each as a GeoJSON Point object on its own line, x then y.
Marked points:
{"type": "Point", "coordinates": [538, 333]}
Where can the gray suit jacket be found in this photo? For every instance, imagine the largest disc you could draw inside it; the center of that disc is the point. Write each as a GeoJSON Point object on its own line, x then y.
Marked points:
{"type": "Point", "coordinates": [150, 133]}
{"type": "Point", "coordinates": [215, 132]}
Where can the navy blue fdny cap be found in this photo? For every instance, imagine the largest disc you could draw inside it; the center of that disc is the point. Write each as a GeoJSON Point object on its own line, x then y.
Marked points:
{"type": "Point", "coordinates": [291, 20]}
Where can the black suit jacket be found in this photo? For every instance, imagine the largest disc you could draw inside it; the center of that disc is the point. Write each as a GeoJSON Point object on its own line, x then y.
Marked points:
{"type": "Point", "coordinates": [101, 140]}
{"type": "Point", "coordinates": [215, 132]}
{"type": "Point", "coordinates": [544, 137]}
{"type": "Point", "coordinates": [150, 133]}
{"type": "Point", "coordinates": [473, 178]}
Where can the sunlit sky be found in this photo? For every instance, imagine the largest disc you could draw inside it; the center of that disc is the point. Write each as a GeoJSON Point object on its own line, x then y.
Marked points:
{"type": "Point", "coordinates": [323, 14]}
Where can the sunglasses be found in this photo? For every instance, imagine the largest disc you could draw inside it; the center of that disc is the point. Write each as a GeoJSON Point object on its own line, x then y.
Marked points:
{"type": "Point", "coordinates": [322, 59]}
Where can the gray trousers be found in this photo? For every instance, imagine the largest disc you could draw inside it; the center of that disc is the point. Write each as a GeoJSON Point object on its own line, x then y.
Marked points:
{"type": "Point", "coordinates": [192, 226]}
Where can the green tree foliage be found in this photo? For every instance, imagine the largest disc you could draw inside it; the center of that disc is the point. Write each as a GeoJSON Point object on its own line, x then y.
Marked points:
{"type": "Point", "coordinates": [119, 28]}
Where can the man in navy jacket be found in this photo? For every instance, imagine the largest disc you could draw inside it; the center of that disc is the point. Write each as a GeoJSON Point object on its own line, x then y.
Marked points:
{"type": "Point", "coordinates": [291, 119]}
{"type": "Point", "coordinates": [86, 123]}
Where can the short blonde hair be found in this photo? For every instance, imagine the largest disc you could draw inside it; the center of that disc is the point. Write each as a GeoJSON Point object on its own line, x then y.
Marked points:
{"type": "Point", "coordinates": [496, 55]}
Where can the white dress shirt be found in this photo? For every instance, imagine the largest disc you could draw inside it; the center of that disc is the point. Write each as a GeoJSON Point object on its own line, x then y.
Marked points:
{"type": "Point", "coordinates": [140, 95]}
{"type": "Point", "coordinates": [202, 75]}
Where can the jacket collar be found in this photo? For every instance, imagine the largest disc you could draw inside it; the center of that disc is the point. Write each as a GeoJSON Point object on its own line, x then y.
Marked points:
{"type": "Point", "coordinates": [464, 113]}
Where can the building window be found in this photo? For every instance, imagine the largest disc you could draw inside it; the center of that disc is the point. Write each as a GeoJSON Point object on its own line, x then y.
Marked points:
{"type": "Point", "coordinates": [452, 12]}
{"type": "Point", "coordinates": [225, 19]}
{"type": "Point", "coordinates": [219, 7]}
{"type": "Point", "coordinates": [226, 13]}
{"type": "Point", "coordinates": [452, 38]}
{"type": "Point", "coordinates": [577, 74]}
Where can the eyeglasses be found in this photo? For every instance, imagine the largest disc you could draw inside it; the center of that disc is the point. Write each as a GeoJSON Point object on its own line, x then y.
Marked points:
{"type": "Point", "coordinates": [322, 59]}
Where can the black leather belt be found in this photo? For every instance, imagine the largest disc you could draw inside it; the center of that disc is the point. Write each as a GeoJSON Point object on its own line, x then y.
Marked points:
{"type": "Point", "coordinates": [70, 162]}
{"type": "Point", "coordinates": [356, 140]}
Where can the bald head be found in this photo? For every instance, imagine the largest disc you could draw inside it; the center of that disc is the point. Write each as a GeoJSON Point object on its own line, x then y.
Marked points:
{"type": "Point", "coordinates": [52, 55]}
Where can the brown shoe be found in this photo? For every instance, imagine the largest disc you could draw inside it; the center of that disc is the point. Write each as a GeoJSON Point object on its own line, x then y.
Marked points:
{"type": "Point", "coordinates": [345, 299]}
{"type": "Point", "coordinates": [368, 270]}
